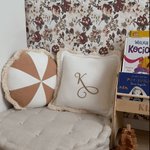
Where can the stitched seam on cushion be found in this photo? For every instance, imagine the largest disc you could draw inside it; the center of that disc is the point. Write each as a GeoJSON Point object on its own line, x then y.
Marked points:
{"type": "Point", "coordinates": [33, 114]}
{"type": "Point", "coordinates": [89, 140]}
{"type": "Point", "coordinates": [16, 145]}
{"type": "Point", "coordinates": [5, 117]}
{"type": "Point", "coordinates": [94, 144]}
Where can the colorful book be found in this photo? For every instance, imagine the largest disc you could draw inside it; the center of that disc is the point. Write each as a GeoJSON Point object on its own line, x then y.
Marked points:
{"type": "Point", "coordinates": [139, 34]}
{"type": "Point", "coordinates": [135, 84]}
{"type": "Point", "coordinates": [136, 56]}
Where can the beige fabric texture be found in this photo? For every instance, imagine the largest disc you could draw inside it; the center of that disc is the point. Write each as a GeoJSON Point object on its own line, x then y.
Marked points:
{"type": "Point", "coordinates": [5, 72]}
{"type": "Point", "coordinates": [86, 83]}
{"type": "Point", "coordinates": [44, 129]}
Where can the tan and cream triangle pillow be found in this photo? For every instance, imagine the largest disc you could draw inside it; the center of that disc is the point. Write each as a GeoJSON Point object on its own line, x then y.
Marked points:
{"type": "Point", "coordinates": [29, 78]}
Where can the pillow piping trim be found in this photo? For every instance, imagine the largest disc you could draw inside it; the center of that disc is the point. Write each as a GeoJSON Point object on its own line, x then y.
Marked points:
{"type": "Point", "coordinates": [5, 72]}
{"type": "Point", "coordinates": [67, 108]}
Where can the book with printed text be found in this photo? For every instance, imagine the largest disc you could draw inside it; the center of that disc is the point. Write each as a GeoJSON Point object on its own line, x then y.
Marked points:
{"type": "Point", "coordinates": [136, 56]}
{"type": "Point", "coordinates": [134, 84]}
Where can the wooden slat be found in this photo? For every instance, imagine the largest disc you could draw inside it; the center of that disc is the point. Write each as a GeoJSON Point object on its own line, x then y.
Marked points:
{"type": "Point", "coordinates": [131, 95]}
{"type": "Point", "coordinates": [132, 107]}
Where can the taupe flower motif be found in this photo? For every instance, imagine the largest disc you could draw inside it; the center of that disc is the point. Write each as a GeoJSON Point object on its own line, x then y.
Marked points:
{"type": "Point", "coordinates": [94, 34]}
{"type": "Point", "coordinates": [27, 9]}
{"type": "Point", "coordinates": [89, 11]}
{"type": "Point", "coordinates": [72, 9]}
{"type": "Point", "coordinates": [46, 33]}
{"type": "Point", "coordinates": [62, 45]}
{"type": "Point", "coordinates": [56, 30]}
{"type": "Point", "coordinates": [61, 24]}
{"type": "Point", "coordinates": [124, 24]}
{"type": "Point", "coordinates": [106, 31]}
{"type": "Point", "coordinates": [47, 47]}
{"type": "Point", "coordinates": [127, 8]}
{"type": "Point", "coordinates": [71, 24]}
{"type": "Point", "coordinates": [113, 24]}
{"type": "Point", "coordinates": [111, 47]}
{"type": "Point", "coordinates": [146, 10]}
{"type": "Point", "coordinates": [41, 11]}
{"type": "Point", "coordinates": [93, 49]}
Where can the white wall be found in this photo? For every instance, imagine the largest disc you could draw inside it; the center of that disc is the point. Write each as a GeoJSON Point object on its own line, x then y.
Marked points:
{"type": "Point", "coordinates": [137, 124]}
{"type": "Point", "coordinates": [12, 35]}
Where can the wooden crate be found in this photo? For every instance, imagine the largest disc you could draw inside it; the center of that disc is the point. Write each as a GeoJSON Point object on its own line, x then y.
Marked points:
{"type": "Point", "coordinates": [132, 107]}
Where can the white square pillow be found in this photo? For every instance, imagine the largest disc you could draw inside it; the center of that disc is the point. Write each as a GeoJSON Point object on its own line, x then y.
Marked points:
{"type": "Point", "coordinates": [86, 82]}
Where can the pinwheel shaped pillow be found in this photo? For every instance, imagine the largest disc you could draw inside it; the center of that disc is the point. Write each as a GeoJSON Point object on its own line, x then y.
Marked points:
{"type": "Point", "coordinates": [29, 78]}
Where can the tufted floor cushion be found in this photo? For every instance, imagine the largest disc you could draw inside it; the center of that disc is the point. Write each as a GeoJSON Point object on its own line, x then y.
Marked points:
{"type": "Point", "coordinates": [44, 129]}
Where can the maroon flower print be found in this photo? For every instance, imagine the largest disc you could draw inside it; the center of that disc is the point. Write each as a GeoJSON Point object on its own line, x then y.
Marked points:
{"type": "Point", "coordinates": [124, 31]}
{"type": "Point", "coordinates": [107, 10]}
{"type": "Point", "coordinates": [81, 38]}
{"type": "Point", "coordinates": [141, 21]}
{"type": "Point", "coordinates": [72, 9]}
{"type": "Point", "coordinates": [35, 37]}
{"type": "Point", "coordinates": [56, 10]}
{"type": "Point", "coordinates": [39, 21]}
{"type": "Point", "coordinates": [107, 43]}
{"type": "Point", "coordinates": [119, 5]}
{"type": "Point", "coordinates": [65, 6]}
{"type": "Point", "coordinates": [98, 7]}
{"type": "Point", "coordinates": [116, 16]}
{"type": "Point", "coordinates": [86, 21]}
{"type": "Point", "coordinates": [72, 31]}
{"type": "Point", "coordinates": [103, 50]}
{"type": "Point", "coordinates": [111, 36]}
{"type": "Point", "coordinates": [55, 49]}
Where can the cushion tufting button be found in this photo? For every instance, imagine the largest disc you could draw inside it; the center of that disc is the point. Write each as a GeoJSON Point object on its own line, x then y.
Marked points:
{"type": "Point", "coordinates": [80, 119]}
{"type": "Point", "coordinates": [21, 123]}
{"type": "Point", "coordinates": [70, 132]}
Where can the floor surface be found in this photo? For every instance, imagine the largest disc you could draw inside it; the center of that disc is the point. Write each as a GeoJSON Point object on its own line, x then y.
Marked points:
{"type": "Point", "coordinates": [142, 139]}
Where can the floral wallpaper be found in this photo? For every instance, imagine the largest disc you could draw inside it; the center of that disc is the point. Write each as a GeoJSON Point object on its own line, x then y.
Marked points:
{"type": "Point", "coordinates": [84, 25]}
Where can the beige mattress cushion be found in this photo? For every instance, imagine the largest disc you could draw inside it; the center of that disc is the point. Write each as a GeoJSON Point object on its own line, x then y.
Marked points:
{"type": "Point", "coordinates": [44, 129]}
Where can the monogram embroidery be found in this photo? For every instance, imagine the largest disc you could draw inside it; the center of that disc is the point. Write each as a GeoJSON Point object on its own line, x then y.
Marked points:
{"type": "Point", "coordinates": [87, 88]}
